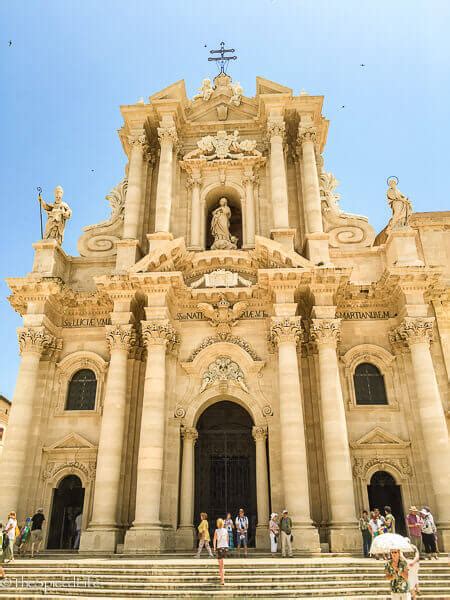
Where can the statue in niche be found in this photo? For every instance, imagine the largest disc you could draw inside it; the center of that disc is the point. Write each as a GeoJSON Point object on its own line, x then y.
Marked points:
{"type": "Point", "coordinates": [220, 227]}
{"type": "Point", "coordinates": [400, 205]}
{"type": "Point", "coordinates": [58, 214]}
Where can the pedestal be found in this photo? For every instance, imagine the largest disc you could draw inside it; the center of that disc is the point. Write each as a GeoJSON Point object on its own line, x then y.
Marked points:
{"type": "Point", "coordinates": [128, 253]}
{"type": "Point", "coordinates": [49, 259]}
{"type": "Point", "coordinates": [145, 540]}
{"type": "Point", "coordinates": [156, 240]}
{"type": "Point", "coordinates": [185, 538]}
{"type": "Point", "coordinates": [100, 539]}
{"type": "Point", "coordinates": [317, 250]}
{"type": "Point", "coordinates": [285, 237]}
{"type": "Point", "coordinates": [345, 538]}
{"type": "Point", "coordinates": [401, 249]}
{"type": "Point", "coordinates": [262, 537]}
{"type": "Point", "coordinates": [305, 539]}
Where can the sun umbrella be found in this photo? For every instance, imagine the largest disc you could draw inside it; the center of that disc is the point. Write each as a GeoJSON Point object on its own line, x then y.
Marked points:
{"type": "Point", "coordinates": [386, 542]}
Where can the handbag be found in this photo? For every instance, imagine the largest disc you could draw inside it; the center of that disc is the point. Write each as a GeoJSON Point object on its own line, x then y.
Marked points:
{"type": "Point", "coordinates": [5, 541]}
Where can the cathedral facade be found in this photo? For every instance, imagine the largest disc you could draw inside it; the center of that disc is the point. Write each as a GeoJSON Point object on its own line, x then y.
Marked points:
{"type": "Point", "coordinates": [230, 337]}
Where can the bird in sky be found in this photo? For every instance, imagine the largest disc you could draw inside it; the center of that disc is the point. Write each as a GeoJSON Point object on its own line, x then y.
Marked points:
{"type": "Point", "coordinates": [362, 65]}
{"type": "Point", "coordinates": [343, 106]}
{"type": "Point", "coordinates": [92, 170]}
{"type": "Point", "coordinates": [205, 46]}
{"type": "Point", "coordinates": [10, 43]}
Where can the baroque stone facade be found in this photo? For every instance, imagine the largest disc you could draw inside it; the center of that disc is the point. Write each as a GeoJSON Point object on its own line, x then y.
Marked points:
{"type": "Point", "coordinates": [134, 353]}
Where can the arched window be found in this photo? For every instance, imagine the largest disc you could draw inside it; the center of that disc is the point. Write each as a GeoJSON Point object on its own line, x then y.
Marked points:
{"type": "Point", "coordinates": [369, 385]}
{"type": "Point", "coordinates": [82, 390]}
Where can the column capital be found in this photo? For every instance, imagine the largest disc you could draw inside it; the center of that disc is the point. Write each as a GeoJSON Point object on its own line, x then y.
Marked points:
{"type": "Point", "coordinates": [276, 127]}
{"type": "Point", "coordinates": [194, 180]}
{"type": "Point", "coordinates": [120, 337]}
{"type": "Point", "coordinates": [189, 433]}
{"type": "Point", "coordinates": [167, 134]}
{"type": "Point", "coordinates": [34, 340]}
{"type": "Point", "coordinates": [325, 332]}
{"type": "Point", "coordinates": [307, 132]}
{"type": "Point", "coordinates": [259, 433]}
{"type": "Point", "coordinates": [413, 330]}
{"type": "Point", "coordinates": [138, 141]}
{"type": "Point", "coordinates": [159, 333]}
{"type": "Point", "coordinates": [286, 330]}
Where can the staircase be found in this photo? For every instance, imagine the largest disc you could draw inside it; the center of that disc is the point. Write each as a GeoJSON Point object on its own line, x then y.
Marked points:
{"type": "Point", "coordinates": [118, 577]}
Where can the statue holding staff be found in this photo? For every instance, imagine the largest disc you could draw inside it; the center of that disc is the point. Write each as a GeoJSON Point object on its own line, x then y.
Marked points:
{"type": "Point", "coordinates": [220, 227]}
{"type": "Point", "coordinates": [58, 214]}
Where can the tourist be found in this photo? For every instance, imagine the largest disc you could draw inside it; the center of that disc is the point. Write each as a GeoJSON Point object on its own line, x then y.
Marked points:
{"type": "Point", "coordinates": [389, 520]}
{"type": "Point", "coordinates": [381, 518]}
{"type": "Point", "coordinates": [36, 531]}
{"type": "Point", "coordinates": [376, 526]}
{"type": "Point", "coordinates": [274, 532]}
{"type": "Point", "coordinates": [365, 532]}
{"type": "Point", "coordinates": [10, 532]}
{"type": "Point", "coordinates": [396, 570]}
{"type": "Point", "coordinates": [24, 536]}
{"type": "Point", "coordinates": [2, 538]}
{"type": "Point", "coordinates": [286, 535]}
{"type": "Point", "coordinates": [220, 543]}
{"type": "Point", "coordinates": [241, 532]}
{"type": "Point", "coordinates": [428, 533]}
{"type": "Point", "coordinates": [414, 524]}
{"type": "Point", "coordinates": [413, 572]}
{"type": "Point", "coordinates": [78, 519]}
{"type": "Point", "coordinates": [229, 525]}
{"type": "Point", "coordinates": [203, 536]}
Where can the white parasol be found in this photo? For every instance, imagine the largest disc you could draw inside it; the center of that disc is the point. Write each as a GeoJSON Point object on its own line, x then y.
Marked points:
{"type": "Point", "coordinates": [386, 542]}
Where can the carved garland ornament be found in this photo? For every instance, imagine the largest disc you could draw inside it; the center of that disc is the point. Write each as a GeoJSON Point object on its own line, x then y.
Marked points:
{"type": "Point", "coordinates": [223, 369]}
{"type": "Point", "coordinates": [232, 339]}
{"type": "Point", "coordinates": [54, 467]}
{"type": "Point", "coordinates": [361, 465]}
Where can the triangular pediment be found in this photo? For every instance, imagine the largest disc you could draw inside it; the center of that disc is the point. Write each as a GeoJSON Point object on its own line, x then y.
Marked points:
{"type": "Point", "coordinates": [174, 91]}
{"type": "Point", "coordinates": [265, 86]}
{"type": "Point", "coordinates": [70, 441]}
{"type": "Point", "coordinates": [379, 438]}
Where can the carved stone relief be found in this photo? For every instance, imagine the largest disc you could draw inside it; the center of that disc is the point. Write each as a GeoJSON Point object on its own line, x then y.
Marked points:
{"type": "Point", "coordinates": [223, 369]}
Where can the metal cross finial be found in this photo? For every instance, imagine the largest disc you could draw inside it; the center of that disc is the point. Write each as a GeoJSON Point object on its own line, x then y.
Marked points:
{"type": "Point", "coordinates": [223, 60]}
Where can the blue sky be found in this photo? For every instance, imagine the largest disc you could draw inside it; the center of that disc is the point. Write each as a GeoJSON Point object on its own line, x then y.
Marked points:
{"type": "Point", "coordinates": [71, 64]}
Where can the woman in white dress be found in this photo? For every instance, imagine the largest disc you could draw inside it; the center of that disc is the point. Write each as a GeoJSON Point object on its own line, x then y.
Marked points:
{"type": "Point", "coordinates": [413, 573]}
{"type": "Point", "coordinates": [220, 544]}
{"type": "Point", "coordinates": [274, 532]}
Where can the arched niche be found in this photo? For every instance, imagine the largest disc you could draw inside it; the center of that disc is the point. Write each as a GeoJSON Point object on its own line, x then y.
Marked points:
{"type": "Point", "coordinates": [210, 201]}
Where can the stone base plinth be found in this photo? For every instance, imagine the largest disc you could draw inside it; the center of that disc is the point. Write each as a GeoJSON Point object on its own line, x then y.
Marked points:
{"type": "Point", "coordinates": [49, 259]}
{"type": "Point", "coordinates": [306, 539]}
{"type": "Point", "coordinates": [128, 253]}
{"type": "Point", "coordinates": [401, 249]}
{"type": "Point", "coordinates": [144, 540]}
{"type": "Point", "coordinates": [444, 537]}
{"type": "Point", "coordinates": [262, 537]}
{"type": "Point", "coordinates": [285, 237]}
{"type": "Point", "coordinates": [155, 240]}
{"type": "Point", "coordinates": [97, 539]}
{"type": "Point", "coordinates": [185, 538]}
{"type": "Point", "coordinates": [317, 249]}
{"type": "Point", "coordinates": [345, 538]}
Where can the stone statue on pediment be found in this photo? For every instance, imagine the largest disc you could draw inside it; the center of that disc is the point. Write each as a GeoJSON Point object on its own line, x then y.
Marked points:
{"type": "Point", "coordinates": [221, 146]}
{"type": "Point", "coordinates": [400, 205]}
{"type": "Point", "coordinates": [220, 227]}
{"type": "Point", "coordinates": [58, 214]}
{"type": "Point", "coordinates": [205, 91]}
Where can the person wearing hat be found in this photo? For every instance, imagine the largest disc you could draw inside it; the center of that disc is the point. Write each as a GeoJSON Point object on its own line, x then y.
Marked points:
{"type": "Point", "coordinates": [428, 533]}
{"type": "Point", "coordinates": [10, 532]}
{"type": "Point", "coordinates": [286, 535]}
{"type": "Point", "coordinates": [274, 532]}
{"type": "Point", "coordinates": [414, 523]}
{"type": "Point", "coordinates": [36, 530]}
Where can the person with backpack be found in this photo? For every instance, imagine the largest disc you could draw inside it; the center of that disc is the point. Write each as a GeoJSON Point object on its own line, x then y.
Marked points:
{"type": "Point", "coordinates": [286, 535]}
{"type": "Point", "coordinates": [241, 532]}
{"type": "Point", "coordinates": [24, 536]}
{"type": "Point", "coordinates": [11, 532]}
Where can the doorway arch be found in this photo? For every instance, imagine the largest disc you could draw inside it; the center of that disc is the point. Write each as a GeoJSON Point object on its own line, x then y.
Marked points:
{"type": "Point", "coordinates": [383, 491]}
{"type": "Point", "coordinates": [225, 464]}
{"type": "Point", "coordinates": [67, 504]}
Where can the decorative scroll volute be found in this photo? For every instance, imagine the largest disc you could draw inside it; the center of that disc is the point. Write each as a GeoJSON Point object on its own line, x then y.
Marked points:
{"type": "Point", "coordinates": [34, 340]}
{"type": "Point", "coordinates": [159, 333]}
{"type": "Point", "coordinates": [413, 330]}
{"type": "Point", "coordinates": [325, 332]}
{"type": "Point", "coordinates": [286, 330]}
{"type": "Point", "coordinates": [120, 337]}
{"type": "Point", "coordinates": [189, 434]}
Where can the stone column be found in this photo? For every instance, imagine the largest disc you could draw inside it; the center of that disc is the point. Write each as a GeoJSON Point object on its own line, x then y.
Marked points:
{"type": "Point", "coordinates": [278, 181]}
{"type": "Point", "coordinates": [286, 334]}
{"type": "Point", "coordinates": [167, 138]}
{"type": "Point", "coordinates": [418, 333]}
{"type": "Point", "coordinates": [134, 199]}
{"type": "Point", "coordinates": [248, 181]}
{"type": "Point", "coordinates": [344, 533]}
{"type": "Point", "coordinates": [262, 487]}
{"type": "Point", "coordinates": [147, 532]}
{"type": "Point", "coordinates": [104, 530]}
{"type": "Point", "coordinates": [194, 182]}
{"type": "Point", "coordinates": [32, 342]}
{"type": "Point", "coordinates": [317, 241]}
{"type": "Point", "coordinates": [186, 534]}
